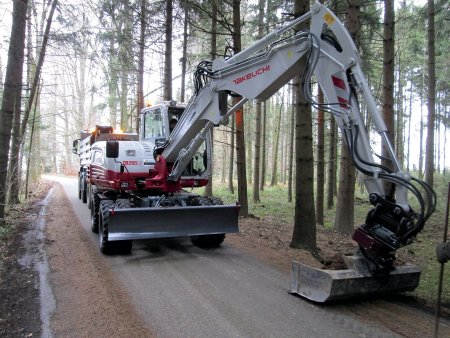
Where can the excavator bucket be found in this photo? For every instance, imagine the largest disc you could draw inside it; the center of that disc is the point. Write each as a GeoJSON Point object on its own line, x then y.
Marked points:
{"type": "Point", "coordinates": [356, 281]}
{"type": "Point", "coordinates": [146, 223]}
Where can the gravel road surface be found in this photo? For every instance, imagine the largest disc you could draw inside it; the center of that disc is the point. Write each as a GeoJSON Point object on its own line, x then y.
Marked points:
{"type": "Point", "coordinates": [171, 288]}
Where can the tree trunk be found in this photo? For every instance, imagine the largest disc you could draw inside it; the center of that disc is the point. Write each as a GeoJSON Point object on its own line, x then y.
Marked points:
{"type": "Point", "coordinates": [140, 75]}
{"type": "Point", "coordinates": [112, 87]}
{"type": "Point", "coordinates": [185, 42]}
{"type": "Point", "coordinates": [304, 235]}
{"type": "Point", "coordinates": [224, 156]}
{"type": "Point", "coordinates": [123, 100]}
{"type": "Point", "coordinates": [291, 143]}
{"type": "Point", "coordinates": [344, 219]}
{"type": "Point", "coordinates": [240, 161]}
{"type": "Point", "coordinates": [209, 186]}
{"type": "Point", "coordinates": [263, 146]}
{"type": "Point", "coordinates": [37, 75]}
{"type": "Point", "coordinates": [19, 127]}
{"type": "Point", "coordinates": [429, 153]}
{"type": "Point", "coordinates": [331, 172]}
{"type": "Point", "coordinates": [240, 138]}
{"type": "Point", "coordinates": [399, 144]}
{"type": "Point", "coordinates": [257, 167]}
{"type": "Point", "coordinates": [12, 91]}
{"type": "Point", "coordinates": [258, 113]}
{"type": "Point", "coordinates": [231, 160]}
{"type": "Point", "coordinates": [408, 168]}
{"type": "Point", "coordinates": [275, 143]}
{"type": "Point", "coordinates": [345, 203]}
{"type": "Point", "coordinates": [388, 86]}
{"type": "Point", "coordinates": [167, 93]}
{"type": "Point", "coordinates": [421, 140]}
{"type": "Point", "coordinates": [320, 161]}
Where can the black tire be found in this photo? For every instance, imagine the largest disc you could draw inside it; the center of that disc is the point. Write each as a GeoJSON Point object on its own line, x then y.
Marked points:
{"type": "Point", "coordinates": [124, 247]}
{"type": "Point", "coordinates": [215, 201]}
{"type": "Point", "coordinates": [89, 196]}
{"type": "Point", "coordinates": [95, 210]}
{"type": "Point", "coordinates": [84, 193]}
{"type": "Point", "coordinates": [79, 186]}
{"type": "Point", "coordinates": [207, 241]}
{"type": "Point", "coordinates": [106, 247]}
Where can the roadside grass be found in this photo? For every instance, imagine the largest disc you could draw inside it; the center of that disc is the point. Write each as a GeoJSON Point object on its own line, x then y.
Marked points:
{"type": "Point", "coordinates": [274, 203]}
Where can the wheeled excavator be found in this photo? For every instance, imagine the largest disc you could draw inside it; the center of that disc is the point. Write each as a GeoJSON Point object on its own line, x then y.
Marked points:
{"type": "Point", "coordinates": [138, 188]}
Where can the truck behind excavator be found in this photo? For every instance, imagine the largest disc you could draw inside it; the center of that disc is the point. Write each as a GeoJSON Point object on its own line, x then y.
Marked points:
{"type": "Point", "coordinates": [137, 187]}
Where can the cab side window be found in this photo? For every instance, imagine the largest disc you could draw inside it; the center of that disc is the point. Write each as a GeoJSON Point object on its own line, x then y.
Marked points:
{"type": "Point", "coordinates": [97, 157]}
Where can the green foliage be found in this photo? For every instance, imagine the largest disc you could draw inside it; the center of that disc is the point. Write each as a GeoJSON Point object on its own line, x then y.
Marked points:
{"type": "Point", "coordinates": [273, 202]}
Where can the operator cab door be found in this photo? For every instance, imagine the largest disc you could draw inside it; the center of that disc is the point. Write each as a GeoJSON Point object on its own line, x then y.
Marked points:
{"type": "Point", "coordinates": [159, 121]}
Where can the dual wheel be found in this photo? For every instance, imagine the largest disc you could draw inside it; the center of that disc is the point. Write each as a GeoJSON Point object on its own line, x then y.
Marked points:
{"type": "Point", "coordinates": [82, 188]}
{"type": "Point", "coordinates": [99, 225]}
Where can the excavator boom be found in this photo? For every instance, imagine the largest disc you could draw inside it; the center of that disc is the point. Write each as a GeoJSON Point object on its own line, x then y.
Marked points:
{"type": "Point", "coordinates": [332, 58]}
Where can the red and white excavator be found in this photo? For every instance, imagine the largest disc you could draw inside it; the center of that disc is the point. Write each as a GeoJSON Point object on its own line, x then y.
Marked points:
{"type": "Point", "coordinates": [136, 188]}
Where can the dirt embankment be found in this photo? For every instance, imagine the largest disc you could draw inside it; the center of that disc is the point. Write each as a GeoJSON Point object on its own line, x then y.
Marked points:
{"type": "Point", "coordinates": [19, 280]}
{"type": "Point", "coordinates": [89, 301]}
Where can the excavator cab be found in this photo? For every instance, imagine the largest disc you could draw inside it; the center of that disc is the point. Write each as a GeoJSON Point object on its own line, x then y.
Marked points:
{"type": "Point", "coordinates": [158, 123]}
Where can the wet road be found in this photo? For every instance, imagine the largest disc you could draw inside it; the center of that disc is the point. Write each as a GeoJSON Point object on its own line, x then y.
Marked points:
{"type": "Point", "coordinates": [180, 290]}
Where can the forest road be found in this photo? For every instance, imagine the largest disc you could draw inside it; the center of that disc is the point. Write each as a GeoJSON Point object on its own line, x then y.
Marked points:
{"type": "Point", "coordinates": [174, 289]}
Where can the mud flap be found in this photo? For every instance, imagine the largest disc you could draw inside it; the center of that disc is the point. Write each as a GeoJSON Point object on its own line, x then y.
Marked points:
{"type": "Point", "coordinates": [357, 281]}
{"type": "Point", "coordinates": [146, 223]}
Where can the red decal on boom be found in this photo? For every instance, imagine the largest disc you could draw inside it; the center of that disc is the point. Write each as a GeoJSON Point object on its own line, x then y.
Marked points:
{"type": "Point", "coordinates": [338, 82]}
{"type": "Point", "coordinates": [343, 102]}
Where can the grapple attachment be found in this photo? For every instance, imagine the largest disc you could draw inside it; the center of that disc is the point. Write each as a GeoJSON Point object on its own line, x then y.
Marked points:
{"type": "Point", "coordinates": [356, 281]}
{"type": "Point", "coordinates": [146, 223]}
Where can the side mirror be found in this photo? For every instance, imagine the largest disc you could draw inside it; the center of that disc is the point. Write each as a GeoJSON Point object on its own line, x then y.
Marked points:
{"type": "Point", "coordinates": [76, 146]}
{"type": "Point", "coordinates": [112, 149]}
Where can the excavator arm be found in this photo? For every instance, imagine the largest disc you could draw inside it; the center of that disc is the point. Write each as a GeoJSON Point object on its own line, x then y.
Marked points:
{"type": "Point", "coordinates": [331, 56]}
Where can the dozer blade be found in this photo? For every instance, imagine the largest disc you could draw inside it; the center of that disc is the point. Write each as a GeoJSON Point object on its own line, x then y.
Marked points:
{"type": "Point", "coordinates": [327, 285]}
{"type": "Point", "coordinates": [146, 223]}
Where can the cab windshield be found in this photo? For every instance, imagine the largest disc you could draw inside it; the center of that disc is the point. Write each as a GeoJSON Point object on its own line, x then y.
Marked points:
{"type": "Point", "coordinates": [154, 124]}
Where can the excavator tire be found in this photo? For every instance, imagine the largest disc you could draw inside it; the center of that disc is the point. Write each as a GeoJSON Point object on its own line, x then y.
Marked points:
{"type": "Point", "coordinates": [107, 247]}
{"type": "Point", "coordinates": [84, 196]}
{"type": "Point", "coordinates": [215, 201]}
{"type": "Point", "coordinates": [95, 207]}
{"type": "Point", "coordinates": [207, 241]}
{"type": "Point", "coordinates": [89, 196]}
{"type": "Point", "coordinates": [79, 187]}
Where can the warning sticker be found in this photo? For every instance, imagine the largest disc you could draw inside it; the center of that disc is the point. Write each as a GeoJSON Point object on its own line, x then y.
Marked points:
{"type": "Point", "coordinates": [329, 19]}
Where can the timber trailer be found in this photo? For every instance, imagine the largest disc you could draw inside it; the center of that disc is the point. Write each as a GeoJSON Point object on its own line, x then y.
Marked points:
{"type": "Point", "coordinates": [136, 189]}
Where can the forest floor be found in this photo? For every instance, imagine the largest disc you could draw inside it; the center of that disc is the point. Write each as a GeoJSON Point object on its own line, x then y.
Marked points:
{"type": "Point", "coordinates": [265, 237]}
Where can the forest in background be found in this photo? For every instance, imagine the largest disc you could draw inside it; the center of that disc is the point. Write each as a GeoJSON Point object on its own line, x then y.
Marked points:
{"type": "Point", "coordinates": [99, 62]}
